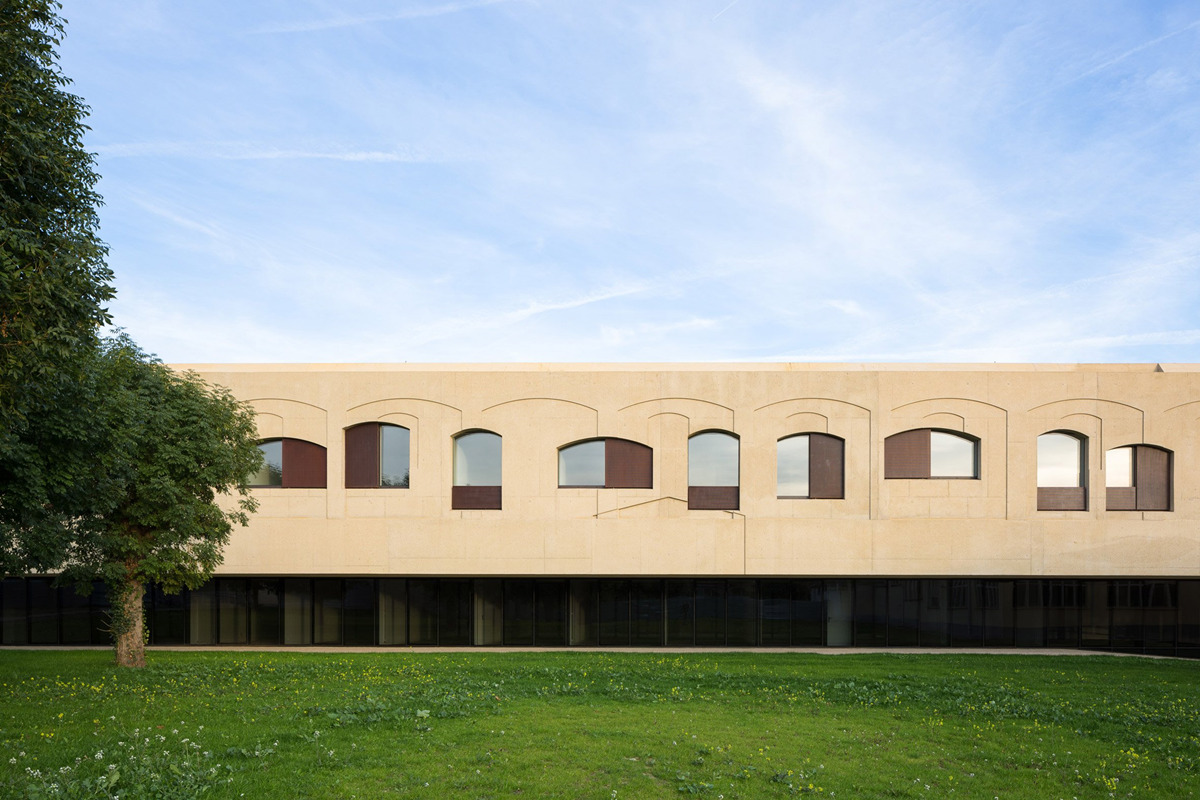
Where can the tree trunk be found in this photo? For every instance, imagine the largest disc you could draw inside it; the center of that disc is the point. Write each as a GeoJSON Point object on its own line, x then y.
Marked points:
{"type": "Point", "coordinates": [130, 644]}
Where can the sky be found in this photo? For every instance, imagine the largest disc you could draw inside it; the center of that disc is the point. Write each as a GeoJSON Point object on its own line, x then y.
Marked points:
{"type": "Point", "coordinates": [701, 180]}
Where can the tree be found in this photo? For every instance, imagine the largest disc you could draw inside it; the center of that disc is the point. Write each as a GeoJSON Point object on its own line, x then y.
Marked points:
{"type": "Point", "coordinates": [111, 465]}
{"type": "Point", "coordinates": [178, 454]}
{"type": "Point", "coordinates": [53, 286]}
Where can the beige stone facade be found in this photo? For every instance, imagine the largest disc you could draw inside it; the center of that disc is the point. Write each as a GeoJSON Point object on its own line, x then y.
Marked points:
{"type": "Point", "coordinates": [987, 526]}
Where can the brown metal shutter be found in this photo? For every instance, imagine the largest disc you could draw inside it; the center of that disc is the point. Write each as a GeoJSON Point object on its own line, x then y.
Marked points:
{"type": "Point", "coordinates": [906, 455]}
{"type": "Point", "coordinates": [1152, 474]}
{"type": "Point", "coordinates": [1062, 498]}
{"type": "Point", "coordinates": [628, 465]}
{"type": "Point", "coordinates": [303, 465]}
{"type": "Point", "coordinates": [466, 498]}
{"type": "Point", "coordinates": [826, 466]}
{"type": "Point", "coordinates": [362, 456]}
{"type": "Point", "coordinates": [1121, 498]}
{"type": "Point", "coordinates": [713, 498]}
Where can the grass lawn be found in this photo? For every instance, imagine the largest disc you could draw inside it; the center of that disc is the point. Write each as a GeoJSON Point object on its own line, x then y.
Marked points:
{"type": "Point", "coordinates": [597, 725]}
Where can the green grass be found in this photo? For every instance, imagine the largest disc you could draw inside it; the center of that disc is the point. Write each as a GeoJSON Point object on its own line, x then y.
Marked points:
{"type": "Point", "coordinates": [598, 725]}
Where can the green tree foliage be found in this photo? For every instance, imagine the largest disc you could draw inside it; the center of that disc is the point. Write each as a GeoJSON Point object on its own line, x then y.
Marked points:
{"type": "Point", "coordinates": [111, 465]}
{"type": "Point", "coordinates": [177, 455]}
{"type": "Point", "coordinates": [53, 286]}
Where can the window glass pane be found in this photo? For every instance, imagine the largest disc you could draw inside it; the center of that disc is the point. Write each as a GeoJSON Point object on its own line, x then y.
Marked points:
{"type": "Point", "coordinates": [951, 456]}
{"type": "Point", "coordinates": [584, 612]}
{"type": "Point", "coordinates": [393, 612]}
{"type": "Point", "coordinates": [793, 467]}
{"type": "Point", "coordinates": [168, 618]}
{"type": "Point", "coordinates": [232, 608]}
{"type": "Point", "coordinates": [202, 628]}
{"type": "Point", "coordinates": [264, 611]}
{"type": "Point", "coordinates": [1118, 467]}
{"type": "Point", "coordinates": [15, 629]}
{"type": "Point", "coordinates": [1059, 462]}
{"type": "Point", "coordinates": [393, 456]}
{"type": "Point", "coordinates": [518, 612]}
{"type": "Point", "coordinates": [477, 459]}
{"type": "Point", "coordinates": [297, 611]}
{"type": "Point", "coordinates": [710, 612]}
{"type": "Point", "coordinates": [742, 610]}
{"type": "Point", "coordinates": [646, 612]}
{"type": "Point", "coordinates": [489, 608]}
{"type": "Point", "coordinates": [327, 611]}
{"type": "Point", "coordinates": [358, 612]}
{"type": "Point", "coordinates": [454, 612]}
{"type": "Point", "coordinates": [271, 473]}
{"type": "Point", "coordinates": [43, 612]}
{"type": "Point", "coordinates": [582, 464]}
{"type": "Point", "coordinates": [614, 612]}
{"type": "Point", "coordinates": [550, 613]}
{"type": "Point", "coordinates": [681, 618]}
{"type": "Point", "coordinates": [713, 459]}
{"type": "Point", "coordinates": [422, 611]}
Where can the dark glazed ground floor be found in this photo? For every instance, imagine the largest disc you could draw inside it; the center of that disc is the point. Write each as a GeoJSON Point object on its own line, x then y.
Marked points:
{"type": "Point", "coordinates": [1153, 616]}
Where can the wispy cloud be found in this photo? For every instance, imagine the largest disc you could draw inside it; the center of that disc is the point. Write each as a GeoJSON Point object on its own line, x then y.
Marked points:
{"type": "Point", "coordinates": [614, 336]}
{"type": "Point", "coordinates": [633, 182]}
{"type": "Point", "coordinates": [370, 19]}
{"type": "Point", "coordinates": [1111, 62]}
{"type": "Point", "coordinates": [245, 151]}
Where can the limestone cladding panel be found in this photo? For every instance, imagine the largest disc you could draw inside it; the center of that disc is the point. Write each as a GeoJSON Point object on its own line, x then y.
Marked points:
{"type": "Point", "coordinates": [985, 526]}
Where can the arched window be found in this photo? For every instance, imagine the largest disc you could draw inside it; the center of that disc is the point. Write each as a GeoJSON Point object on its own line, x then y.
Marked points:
{"type": "Point", "coordinates": [1138, 478]}
{"type": "Point", "coordinates": [810, 466]}
{"type": "Point", "coordinates": [1061, 471]}
{"type": "Point", "coordinates": [713, 471]}
{"type": "Point", "coordinates": [606, 464]}
{"type": "Point", "coordinates": [291, 464]}
{"type": "Point", "coordinates": [930, 453]}
{"type": "Point", "coordinates": [476, 471]}
{"type": "Point", "coordinates": [377, 456]}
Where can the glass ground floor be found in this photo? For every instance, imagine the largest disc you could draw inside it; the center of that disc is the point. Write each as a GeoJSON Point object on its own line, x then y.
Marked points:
{"type": "Point", "coordinates": [1154, 616]}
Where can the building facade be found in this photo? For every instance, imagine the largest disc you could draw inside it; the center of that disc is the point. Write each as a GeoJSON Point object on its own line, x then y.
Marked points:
{"type": "Point", "coordinates": [705, 505]}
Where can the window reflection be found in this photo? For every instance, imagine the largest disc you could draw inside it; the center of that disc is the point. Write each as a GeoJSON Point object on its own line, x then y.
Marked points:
{"type": "Point", "coordinates": [1060, 460]}
{"type": "Point", "coordinates": [713, 459]}
{"type": "Point", "coordinates": [793, 466]}
{"type": "Point", "coordinates": [477, 459]}
{"type": "Point", "coordinates": [393, 456]}
{"type": "Point", "coordinates": [582, 464]}
{"type": "Point", "coordinates": [951, 455]}
{"type": "Point", "coordinates": [271, 472]}
{"type": "Point", "coordinates": [1118, 467]}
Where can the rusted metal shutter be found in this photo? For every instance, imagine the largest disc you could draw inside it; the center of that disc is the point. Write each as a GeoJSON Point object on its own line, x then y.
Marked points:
{"type": "Point", "coordinates": [628, 465]}
{"type": "Point", "coordinates": [303, 465]}
{"type": "Point", "coordinates": [826, 466]}
{"type": "Point", "coordinates": [362, 456]}
{"type": "Point", "coordinates": [1062, 498]}
{"type": "Point", "coordinates": [716, 498]}
{"type": "Point", "coordinates": [906, 455]}
{"type": "Point", "coordinates": [1121, 498]}
{"type": "Point", "coordinates": [465, 498]}
{"type": "Point", "coordinates": [1152, 475]}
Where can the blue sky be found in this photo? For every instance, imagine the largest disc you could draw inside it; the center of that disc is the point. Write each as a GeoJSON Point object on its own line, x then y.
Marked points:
{"type": "Point", "coordinates": [534, 180]}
